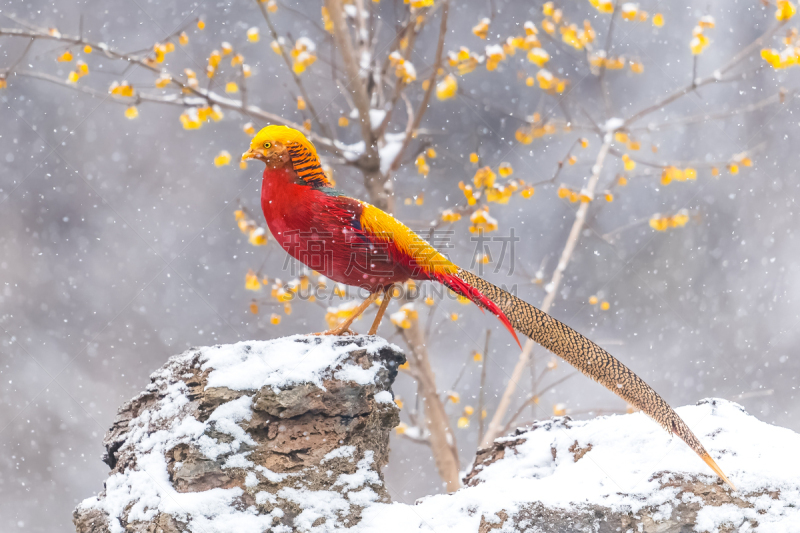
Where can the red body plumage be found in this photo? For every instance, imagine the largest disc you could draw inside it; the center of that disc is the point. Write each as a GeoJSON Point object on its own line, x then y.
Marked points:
{"type": "Point", "coordinates": [336, 236]}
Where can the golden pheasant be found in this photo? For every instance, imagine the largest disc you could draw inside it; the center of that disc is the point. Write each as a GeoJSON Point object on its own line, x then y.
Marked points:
{"type": "Point", "coordinates": [355, 243]}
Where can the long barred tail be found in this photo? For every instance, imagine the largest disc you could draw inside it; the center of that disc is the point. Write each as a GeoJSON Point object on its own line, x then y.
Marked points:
{"type": "Point", "coordinates": [581, 353]}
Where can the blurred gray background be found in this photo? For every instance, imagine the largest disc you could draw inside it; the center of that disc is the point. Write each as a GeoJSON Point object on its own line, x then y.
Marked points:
{"type": "Point", "coordinates": [118, 245]}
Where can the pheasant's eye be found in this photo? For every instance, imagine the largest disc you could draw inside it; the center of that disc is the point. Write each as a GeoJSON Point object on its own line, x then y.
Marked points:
{"type": "Point", "coordinates": [267, 144]}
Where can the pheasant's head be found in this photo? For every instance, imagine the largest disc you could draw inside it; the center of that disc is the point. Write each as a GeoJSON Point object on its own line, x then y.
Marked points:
{"type": "Point", "coordinates": [285, 147]}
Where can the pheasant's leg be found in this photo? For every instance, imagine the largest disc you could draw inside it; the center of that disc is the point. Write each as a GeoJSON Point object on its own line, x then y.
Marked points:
{"type": "Point", "coordinates": [387, 296]}
{"type": "Point", "coordinates": [344, 327]}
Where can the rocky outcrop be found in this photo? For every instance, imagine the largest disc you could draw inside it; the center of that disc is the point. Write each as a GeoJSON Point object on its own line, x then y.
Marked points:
{"type": "Point", "coordinates": [291, 434]}
{"type": "Point", "coordinates": [283, 435]}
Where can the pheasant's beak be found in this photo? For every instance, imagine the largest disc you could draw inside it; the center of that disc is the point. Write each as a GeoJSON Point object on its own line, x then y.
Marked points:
{"type": "Point", "coordinates": [253, 154]}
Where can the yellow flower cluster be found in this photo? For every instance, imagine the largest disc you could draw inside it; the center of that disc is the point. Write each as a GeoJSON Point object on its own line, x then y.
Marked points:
{"type": "Point", "coordinates": [574, 196]}
{"type": "Point", "coordinates": [494, 55]}
{"type": "Point", "coordinates": [336, 315]}
{"type": "Point", "coordinates": [161, 50]}
{"type": "Point", "coordinates": [535, 130]}
{"type": "Point", "coordinates": [599, 60]}
{"type": "Point", "coordinates": [699, 40]}
{"type": "Point", "coordinates": [677, 220]}
{"type": "Point", "coordinates": [604, 305]}
{"type": "Point", "coordinates": [303, 54]}
{"type": "Point", "coordinates": [327, 21]}
{"type": "Point", "coordinates": [482, 28]}
{"type": "Point", "coordinates": [256, 236]}
{"type": "Point", "coordinates": [81, 70]}
{"type": "Point", "coordinates": [447, 87]}
{"type": "Point", "coordinates": [422, 165]}
{"type": "Point", "coordinates": [603, 6]}
{"type": "Point", "coordinates": [195, 117]}
{"type": "Point", "coordinates": [121, 89]}
{"type": "Point", "coordinates": [66, 57]}
{"type": "Point", "coordinates": [481, 221]}
{"type": "Point", "coordinates": [463, 61]}
{"type": "Point", "coordinates": [671, 173]}
{"type": "Point", "coordinates": [448, 215]}
{"type": "Point", "coordinates": [403, 68]}
{"type": "Point", "coordinates": [786, 10]}
{"type": "Point", "coordinates": [570, 34]}
{"type": "Point", "coordinates": [405, 316]}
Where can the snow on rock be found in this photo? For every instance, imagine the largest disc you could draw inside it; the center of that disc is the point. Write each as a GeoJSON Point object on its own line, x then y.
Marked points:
{"type": "Point", "coordinates": [619, 473]}
{"type": "Point", "coordinates": [290, 435]}
{"type": "Point", "coordinates": [233, 438]}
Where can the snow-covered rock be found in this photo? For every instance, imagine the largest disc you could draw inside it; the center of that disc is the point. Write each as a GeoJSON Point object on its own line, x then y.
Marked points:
{"type": "Point", "coordinates": [291, 434]}
{"type": "Point", "coordinates": [619, 473]}
{"type": "Point", "coordinates": [280, 435]}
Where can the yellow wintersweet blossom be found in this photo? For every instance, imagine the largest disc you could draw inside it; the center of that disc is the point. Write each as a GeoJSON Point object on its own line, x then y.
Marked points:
{"type": "Point", "coordinates": [343, 122]}
{"type": "Point", "coordinates": [494, 55]}
{"type": "Point", "coordinates": [275, 319]}
{"type": "Point", "coordinates": [707, 22]}
{"type": "Point", "coordinates": [679, 219]}
{"type": "Point", "coordinates": [548, 26]}
{"type": "Point", "coordinates": [272, 6]}
{"type": "Point", "coordinates": [658, 20]}
{"type": "Point", "coordinates": [636, 66]}
{"type": "Point", "coordinates": [253, 35]}
{"type": "Point", "coordinates": [404, 317]}
{"type": "Point", "coordinates": [254, 308]}
{"type": "Point", "coordinates": [446, 88]}
{"type": "Point", "coordinates": [629, 11]}
{"type": "Point", "coordinates": [463, 422]}
{"type": "Point", "coordinates": [402, 426]}
{"type": "Point", "coordinates": [545, 78]}
{"type": "Point", "coordinates": [183, 39]}
{"type": "Point", "coordinates": [251, 282]}
{"type": "Point", "coordinates": [258, 237]}
{"type": "Point", "coordinates": [231, 87]}
{"type": "Point", "coordinates": [605, 306]}
{"type": "Point", "coordinates": [630, 164]}
{"type": "Point", "coordinates": [690, 173]}
{"type": "Point", "coordinates": [431, 152]}
{"type": "Point", "coordinates": [592, 300]}
{"type": "Point", "coordinates": [65, 57]}
{"type": "Point", "coordinates": [603, 6]}
{"type": "Point", "coordinates": [249, 128]}
{"type": "Point", "coordinates": [484, 177]}
{"type": "Point", "coordinates": [786, 10]}
{"type": "Point", "coordinates": [453, 396]}
{"type": "Point", "coordinates": [121, 89]}
{"type": "Point", "coordinates": [699, 41]}
{"type": "Point", "coordinates": [132, 112]}
{"type": "Point", "coordinates": [223, 158]}
{"type": "Point", "coordinates": [201, 24]}
{"type": "Point", "coordinates": [87, 49]}
{"type": "Point", "coordinates": [505, 170]}
{"type": "Point", "coordinates": [538, 56]}
{"type": "Point", "coordinates": [621, 137]}
{"type": "Point", "coordinates": [733, 168]}
{"type": "Point", "coordinates": [482, 221]}
{"type": "Point", "coordinates": [609, 197]}
{"type": "Point", "coordinates": [301, 103]}
{"type": "Point", "coordinates": [403, 68]}
{"type": "Point", "coordinates": [559, 409]}
{"type": "Point", "coordinates": [473, 157]}
{"type": "Point", "coordinates": [163, 80]}
{"type": "Point", "coordinates": [482, 28]}
{"type": "Point", "coordinates": [448, 215]}
{"type": "Point", "coordinates": [237, 60]}
{"type": "Point", "coordinates": [3, 83]}
{"type": "Point", "coordinates": [327, 22]}
{"type": "Point", "coordinates": [303, 54]}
